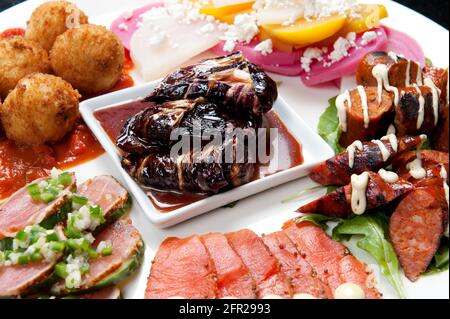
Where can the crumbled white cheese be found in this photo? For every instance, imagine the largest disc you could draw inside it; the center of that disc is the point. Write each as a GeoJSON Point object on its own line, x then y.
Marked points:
{"type": "Point", "coordinates": [265, 47]}
{"type": "Point", "coordinates": [207, 28]}
{"type": "Point", "coordinates": [368, 37]}
{"type": "Point", "coordinates": [340, 50]}
{"type": "Point", "coordinates": [244, 30]}
{"type": "Point", "coordinates": [123, 26]}
{"type": "Point", "coordinates": [309, 56]}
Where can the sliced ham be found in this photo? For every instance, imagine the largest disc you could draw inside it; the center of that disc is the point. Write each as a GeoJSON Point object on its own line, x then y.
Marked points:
{"type": "Point", "coordinates": [416, 229]}
{"type": "Point", "coordinates": [20, 210]}
{"type": "Point", "coordinates": [331, 260]}
{"type": "Point", "coordinates": [302, 275]}
{"type": "Point", "coordinates": [126, 242]}
{"type": "Point", "coordinates": [104, 191]}
{"type": "Point", "coordinates": [338, 203]}
{"type": "Point", "coordinates": [233, 277]}
{"type": "Point", "coordinates": [182, 268]}
{"type": "Point", "coordinates": [18, 279]}
{"type": "Point", "coordinates": [263, 266]}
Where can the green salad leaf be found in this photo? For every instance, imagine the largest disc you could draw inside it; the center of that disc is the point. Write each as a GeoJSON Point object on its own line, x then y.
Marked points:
{"type": "Point", "coordinates": [317, 219]}
{"type": "Point", "coordinates": [329, 128]}
{"type": "Point", "coordinates": [440, 260]}
{"type": "Point", "coordinates": [428, 62]}
{"type": "Point", "coordinates": [371, 230]}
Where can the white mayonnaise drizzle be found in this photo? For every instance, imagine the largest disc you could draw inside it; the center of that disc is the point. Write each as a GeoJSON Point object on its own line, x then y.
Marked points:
{"type": "Point", "coordinates": [393, 56]}
{"type": "Point", "coordinates": [383, 149]}
{"type": "Point", "coordinates": [444, 175]}
{"type": "Point", "coordinates": [392, 138]}
{"type": "Point", "coordinates": [365, 105]}
{"type": "Point", "coordinates": [342, 112]}
{"type": "Point", "coordinates": [436, 95]}
{"type": "Point", "coordinates": [303, 296]}
{"type": "Point", "coordinates": [359, 188]}
{"type": "Point", "coordinates": [408, 74]}
{"type": "Point", "coordinates": [391, 130]}
{"type": "Point", "coordinates": [381, 73]}
{"type": "Point", "coordinates": [349, 291]}
{"type": "Point", "coordinates": [388, 177]}
{"type": "Point", "coordinates": [421, 113]}
{"type": "Point", "coordinates": [419, 78]}
{"type": "Point", "coordinates": [415, 168]}
{"type": "Point", "coordinates": [351, 152]}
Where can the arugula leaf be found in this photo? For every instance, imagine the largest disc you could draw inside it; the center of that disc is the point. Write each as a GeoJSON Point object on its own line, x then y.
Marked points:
{"type": "Point", "coordinates": [317, 219]}
{"type": "Point", "coordinates": [374, 240]}
{"type": "Point", "coordinates": [440, 260]}
{"type": "Point", "coordinates": [329, 128]}
{"type": "Point", "coordinates": [428, 62]}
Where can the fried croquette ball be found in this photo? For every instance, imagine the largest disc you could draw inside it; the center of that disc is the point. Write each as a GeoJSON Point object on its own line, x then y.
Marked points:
{"type": "Point", "coordinates": [51, 19]}
{"type": "Point", "coordinates": [19, 58]}
{"type": "Point", "coordinates": [90, 58]}
{"type": "Point", "coordinates": [42, 108]}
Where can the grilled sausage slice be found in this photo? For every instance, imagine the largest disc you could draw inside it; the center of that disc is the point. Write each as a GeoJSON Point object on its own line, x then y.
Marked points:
{"type": "Point", "coordinates": [432, 161]}
{"type": "Point", "coordinates": [337, 171]}
{"type": "Point", "coordinates": [439, 76]}
{"type": "Point", "coordinates": [339, 202]}
{"type": "Point", "coordinates": [380, 116]}
{"type": "Point", "coordinates": [441, 136]}
{"type": "Point", "coordinates": [416, 229]}
{"type": "Point", "coordinates": [398, 70]}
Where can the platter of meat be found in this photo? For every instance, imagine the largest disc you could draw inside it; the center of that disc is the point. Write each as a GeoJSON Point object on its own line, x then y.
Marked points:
{"type": "Point", "coordinates": [216, 149]}
{"type": "Point", "coordinates": [170, 193]}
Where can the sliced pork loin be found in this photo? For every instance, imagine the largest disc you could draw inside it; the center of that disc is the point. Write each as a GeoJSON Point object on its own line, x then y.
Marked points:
{"type": "Point", "coordinates": [417, 227]}
{"type": "Point", "coordinates": [338, 170]}
{"type": "Point", "coordinates": [233, 277]}
{"type": "Point", "coordinates": [20, 210]}
{"type": "Point", "coordinates": [331, 260]}
{"type": "Point", "coordinates": [106, 192]}
{"type": "Point", "coordinates": [263, 266]}
{"type": "Point", "coordinates": [18, 279]}
{"type": "Point", "coordinates": [303, 277]}
{"type": "Point", "coordinates": [339, 203]}
{"type": "Point", "coordinates": [126, 244]}
{"type": "Point", "coordinates": [182, 268]}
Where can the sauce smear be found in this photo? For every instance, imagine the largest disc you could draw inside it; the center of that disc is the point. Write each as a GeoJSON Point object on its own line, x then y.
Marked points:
{"type": "Point", "coordinates": [15, 32]}
{"type": "Point", "coordinates": [288, 152]}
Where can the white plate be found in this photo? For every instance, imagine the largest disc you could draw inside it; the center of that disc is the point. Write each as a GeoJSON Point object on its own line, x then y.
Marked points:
{"type": "Point", "coordinates": [315, 151]}
{"type": "Point", "coordinates": [264, 212]}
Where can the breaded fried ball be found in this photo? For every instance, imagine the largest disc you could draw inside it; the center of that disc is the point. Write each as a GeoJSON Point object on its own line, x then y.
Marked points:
{"type": "Point", "coordinates": [90, 58]}
{"type": "Point", "coordinates": [19, 58]}
{"type": "Point", "coordinates": [42, 108]}
{"type": "Point", "coordinates": [51, 19]}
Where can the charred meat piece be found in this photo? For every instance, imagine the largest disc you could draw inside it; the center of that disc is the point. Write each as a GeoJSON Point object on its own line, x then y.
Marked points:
{"type": "Point", "coordinates": [360, 127]}
{"type": "Point", "coordinates": [233, 277]}
{"type": "Point", "coordinates": [231, 81]}
{"type": "Point", "coordinates": [398, 70]}
{"type": "Point", "coordinates": [432, 162]}
{"type": "Point", "coordinates": [439, 77]}
{"type": "Point", "coordinates": [264, 268]}
{"type": "Point", "coordinates": [416, 229]}
{"type": "Point", "coordinates": [416, 112]}
{"type": "Point", "coordinates": [339, 202]}
{"type": "Point", "coordinates": [332, 261]}
{"type": "Point", "coordinates": [182, 268]}
{"type": "Point", "coordinates": [441, 136]}
{"type": "Point", "coordinates": [303, 278]}
{"type": "Point", "coordinates": [338, 170]}
{"type": "Point", "coordinates": [20, 210]}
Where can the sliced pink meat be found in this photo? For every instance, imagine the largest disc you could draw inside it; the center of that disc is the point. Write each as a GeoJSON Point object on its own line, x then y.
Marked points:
{"type": "Point", "coordinates": [108, 293]}
{"type": "Point", "coordinates": [182, 268]}
{"type": "Point", "coordinates": [20, 211]}
{"type": "Point", "coordinates": [126, 242]}
{"type": "Point", "coordinates": [16, 280]}
{"type": "Point", "coordinates": [264, 268]}
{"type": "Point", "coordinates": [302, 275]}
{"type": "Point", "coordinates": [233, 277]}
{"type": "Point", "coordinates": [331, 260]}
{"type": "Point", "coordinates": [104, 191]}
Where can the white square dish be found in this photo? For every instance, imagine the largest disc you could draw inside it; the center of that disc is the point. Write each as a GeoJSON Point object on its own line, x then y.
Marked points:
{"type": "Point", "coordinates": [315, 150]}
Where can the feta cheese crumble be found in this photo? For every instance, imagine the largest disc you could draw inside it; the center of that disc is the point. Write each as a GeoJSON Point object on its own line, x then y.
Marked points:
{"type": "Point", "coordinates": [369, 37]}
{"type": "Point", "coordinates": [243, 30]}
{"type": "Point", "coordinates": [309, 56]}
{"type": "Point", "coordinates": [265, 47]}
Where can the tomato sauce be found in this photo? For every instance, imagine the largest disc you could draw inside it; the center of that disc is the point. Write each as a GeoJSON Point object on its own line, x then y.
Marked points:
{"type": "Point", "coordinates": [288, 150]}
{"type": "Point", "coordinates": [15, 32]}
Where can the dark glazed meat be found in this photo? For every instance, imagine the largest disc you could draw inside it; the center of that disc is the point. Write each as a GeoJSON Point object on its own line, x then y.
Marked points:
{"type": "Point", "coordinates": [231, 81]}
